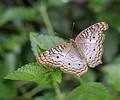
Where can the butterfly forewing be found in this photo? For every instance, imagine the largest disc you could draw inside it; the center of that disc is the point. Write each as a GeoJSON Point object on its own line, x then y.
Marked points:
{"type": "Point", "coordinates": [53, 56]}
{"type": "Point", "coordinates": [90, 43]}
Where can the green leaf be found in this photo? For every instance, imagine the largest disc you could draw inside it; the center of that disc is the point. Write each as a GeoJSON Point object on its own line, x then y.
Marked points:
{"type": "Point", "coordinates": [8, 92]}
{"type": "Point", "coordinates": [14, 43]}
{"type": "Point", "coordinates": [2, 70]}
{"type": "Point", "coordinates": [36, 72]}
{"type": "Point", "coordinates": [47, 96]}
{"type": "Point", "coordinates": [63, 25]}
{"type": "Point", "coordinates": [41, 74]}
{"type": "Point", "coordinates": [43, 41]}
{"type": "Point", "coordinates": [31, 72]}
{"type": "Point", "coordinates": [89, 91]}
{"type": "Point", "coordinates": [111, 46]}
{"type": "Point", "coordinates": [112, 75]}
{"type": "Point", "coordinates": [57, 75]}
{"type": "Point", "coordinates": [90, 76]}
{"type": "Point", "coordinates": [18, 13]}
{"type": "Point", "coordinates": [10, 60]}
{"type": "Point", "coordinates": [113, 18]}
{"type": "Point", "coordinates": [35, 43]}
{"type": "Point", "coordinates": [117, 59]}
{"type": "Point", "coordinates": [55, 3]}
{"type": "Point", "coordinates": [97, 5]}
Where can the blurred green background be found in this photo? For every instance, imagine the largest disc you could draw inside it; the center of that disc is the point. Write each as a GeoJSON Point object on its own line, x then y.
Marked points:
{"type": "Point", "coordinates": [65, 19]}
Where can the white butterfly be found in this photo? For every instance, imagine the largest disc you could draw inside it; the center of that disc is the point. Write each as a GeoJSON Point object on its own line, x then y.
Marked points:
{"type": "Point", "coordinates": [76, 55]}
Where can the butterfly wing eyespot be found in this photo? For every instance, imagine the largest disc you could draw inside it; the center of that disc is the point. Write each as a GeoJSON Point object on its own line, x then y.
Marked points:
{"type": "Point", "coordinates": [57, 57]}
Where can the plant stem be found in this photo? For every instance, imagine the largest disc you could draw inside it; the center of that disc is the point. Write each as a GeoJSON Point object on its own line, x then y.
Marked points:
{"type": "Point", "coordinates": [59, 94]}
{"type": "Point", "coordinates": [43, 11]}
{"type": "Point", "coordinates": [114, 94]}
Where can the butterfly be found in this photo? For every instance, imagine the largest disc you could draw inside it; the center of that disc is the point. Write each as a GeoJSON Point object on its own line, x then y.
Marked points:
{"type": "Point", "coordinates": [76, 55]}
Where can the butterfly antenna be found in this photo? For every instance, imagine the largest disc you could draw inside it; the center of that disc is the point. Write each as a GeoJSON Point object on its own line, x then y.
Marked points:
{"type": "Point", "coordinates": [73, 25]}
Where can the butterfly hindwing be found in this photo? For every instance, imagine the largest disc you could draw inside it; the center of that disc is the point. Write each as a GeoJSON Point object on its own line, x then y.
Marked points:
{"type": "Point", "coordinates": [90, 43]}
{"type": "Point", "coordinates": [65, 57]}
{"type": "Point", "coordinates": [73, 62]}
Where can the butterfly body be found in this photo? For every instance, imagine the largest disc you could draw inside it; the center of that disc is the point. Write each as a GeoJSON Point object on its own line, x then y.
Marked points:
{"type": "Point", "coordinates": [76, 55]}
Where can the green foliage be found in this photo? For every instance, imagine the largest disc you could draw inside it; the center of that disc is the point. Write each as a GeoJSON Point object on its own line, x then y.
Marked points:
{"type": "Point", "coordinates": [47, 96]}
{"type": "Point", "coordinates": [30, 72]}
{"type": "Point", "coordinates": [36, 73]}
{"type": "Point", "coordinates": [7, 92]}
{"type": "Point", "coordinates": [97, 6]}
{"type": "Point", "coordinates": [18, 14]}
{"type": "Point", "coordinates": [117, 60]}
{"type": "Point", "coordinates": [57, 76]}
{"type": "Point", "coordinates": [63, 22]}
{"type": "Point", "coordinates": [90, 76]}
{"type": "Point", "coordinates": [10, 61]}
{"type": "Point", "coordinates": [14, 43]}
{"type": "Point", "coordinates": [112, 17]}
{"type": "Point", "coordinates": [40, 41]}
{"type": "Point", "coordinates": [89, 91]}
{"type": "Point", "coordinates": [55, 2]}
{"type": "Point", "coordinates": [111, 47]}
{"type": "Point", "coordinates": [112, 75]}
